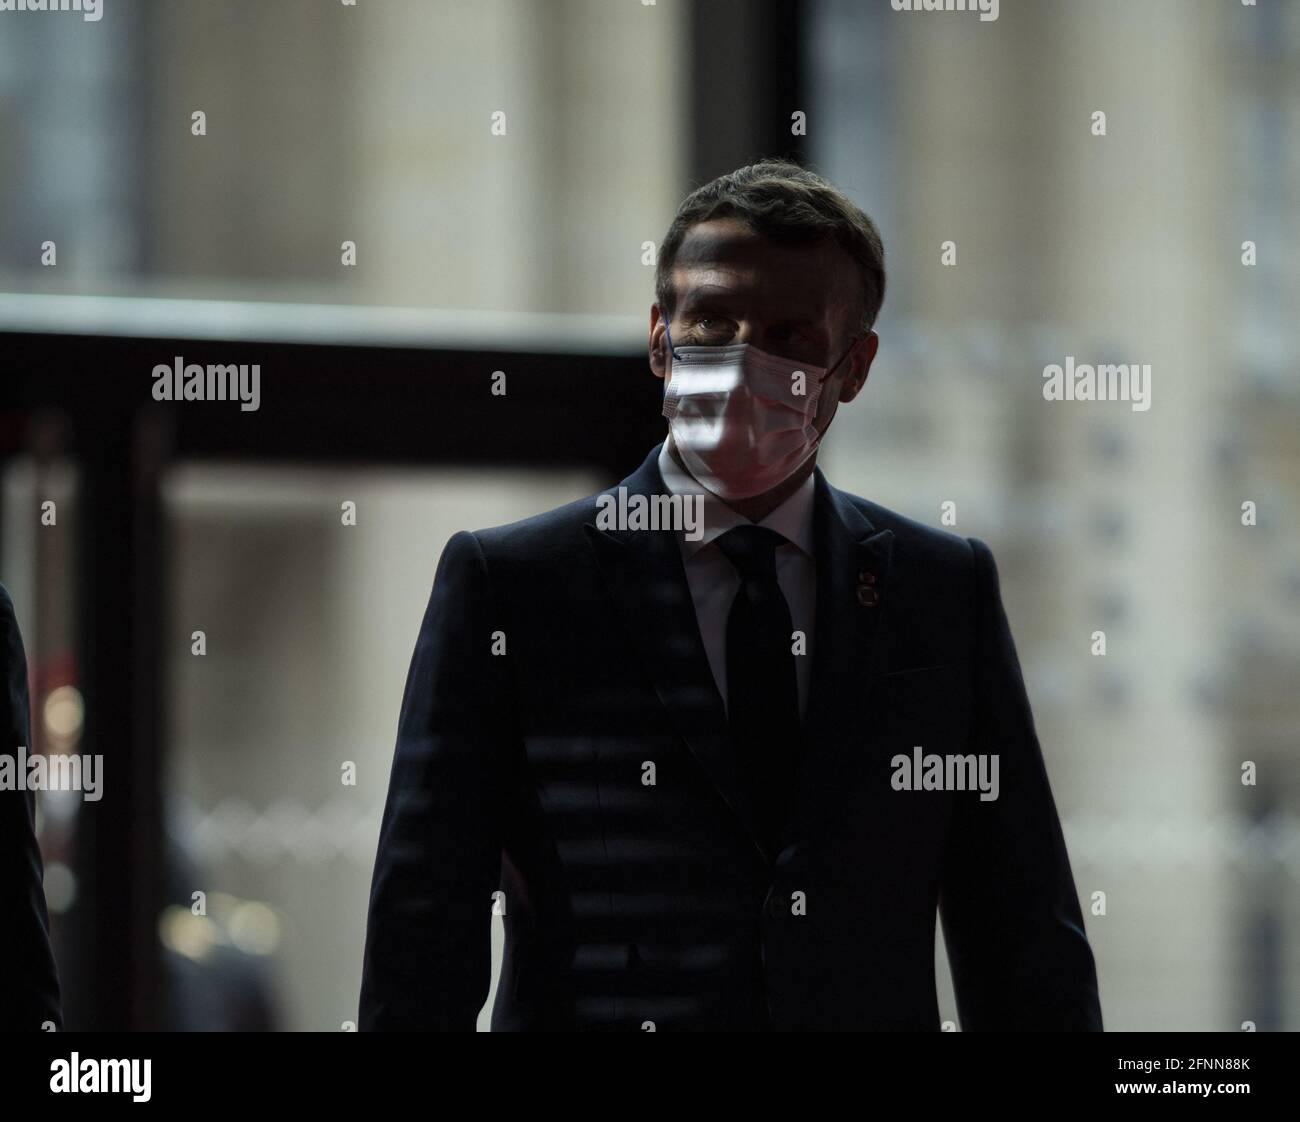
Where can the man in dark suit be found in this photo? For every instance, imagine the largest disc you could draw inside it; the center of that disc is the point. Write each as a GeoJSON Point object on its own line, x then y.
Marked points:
{"type": "Point", "coordinates": [29, 980]}
{"type": "Point", "coordinates": [675, 724]}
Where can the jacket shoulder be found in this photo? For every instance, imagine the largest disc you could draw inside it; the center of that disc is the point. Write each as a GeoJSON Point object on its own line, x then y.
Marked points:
{"type": "Point", "coordinates": [920, 543]}
{"type": "Point", "coordinates": [540, 534]}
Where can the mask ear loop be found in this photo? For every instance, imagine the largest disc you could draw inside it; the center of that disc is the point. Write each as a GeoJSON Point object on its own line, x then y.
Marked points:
{"type": "Point", "coordinates": [671, 349]}
{"type": "Point", "coordinates": [856, 340]}
{"type": "Point", "coordinates": [826, 377]}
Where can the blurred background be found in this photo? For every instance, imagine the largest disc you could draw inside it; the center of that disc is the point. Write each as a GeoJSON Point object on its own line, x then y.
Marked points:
{"type": "Point", "coordinates": [530, 252]}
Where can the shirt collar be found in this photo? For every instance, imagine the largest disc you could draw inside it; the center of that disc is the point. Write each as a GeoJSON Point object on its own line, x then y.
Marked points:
{"type": "Point", "coordinates": [793, 519]}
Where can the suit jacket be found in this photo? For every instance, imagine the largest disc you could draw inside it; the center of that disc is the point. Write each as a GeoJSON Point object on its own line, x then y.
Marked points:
{"type": "Point", "coordinates": [29, 980]}
{"type": "Point", "coordinates": [561, 739]}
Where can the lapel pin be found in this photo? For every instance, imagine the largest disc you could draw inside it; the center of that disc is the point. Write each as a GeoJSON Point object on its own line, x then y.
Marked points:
{"type": "Point", "coordinates": [868, 596]}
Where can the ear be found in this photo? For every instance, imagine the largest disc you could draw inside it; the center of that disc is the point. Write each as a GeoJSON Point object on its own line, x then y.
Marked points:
{"type": "Point", "coordinates": [657, 344]}
{"type": "Point", "coordinates": [860, 360]}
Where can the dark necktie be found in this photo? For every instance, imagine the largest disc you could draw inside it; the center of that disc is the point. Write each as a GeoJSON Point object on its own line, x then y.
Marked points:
{"type": "Point", "coordinates": [762, 687]}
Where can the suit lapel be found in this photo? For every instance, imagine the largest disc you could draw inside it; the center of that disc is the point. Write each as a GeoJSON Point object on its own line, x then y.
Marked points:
{"type": "Point", "coordinates": [850, 552]}
{"type": "Point", "coordinates": [646, 579]}
{"type": "Point", "coordinates": [850, 634]}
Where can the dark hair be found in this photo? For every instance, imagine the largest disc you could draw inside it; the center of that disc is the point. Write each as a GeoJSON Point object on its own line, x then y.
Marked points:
{"type": "Point", "coordinates": [788, 204]}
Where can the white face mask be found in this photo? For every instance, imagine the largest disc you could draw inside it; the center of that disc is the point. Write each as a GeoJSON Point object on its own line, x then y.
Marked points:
{"type": "Point", "coordinates": [736, 419]}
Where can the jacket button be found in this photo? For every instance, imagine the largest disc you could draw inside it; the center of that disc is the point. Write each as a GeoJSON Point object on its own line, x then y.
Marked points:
{"type": "Point", "coordinates": [868, 597]}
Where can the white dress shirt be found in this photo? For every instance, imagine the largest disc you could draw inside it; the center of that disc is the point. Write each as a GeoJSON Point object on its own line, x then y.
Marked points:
{"type": "Point", "coordinates": [714, 581]}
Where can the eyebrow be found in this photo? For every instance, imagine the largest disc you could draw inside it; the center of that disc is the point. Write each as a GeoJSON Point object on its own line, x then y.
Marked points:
{"type": "Point", "coordinates": [708, 294]}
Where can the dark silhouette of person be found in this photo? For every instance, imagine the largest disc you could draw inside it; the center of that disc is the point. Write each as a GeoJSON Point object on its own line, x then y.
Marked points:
{"type": "Point", "coordinates": [722, 741]}
{"type": "Point", "coordinates": [29, 981]}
